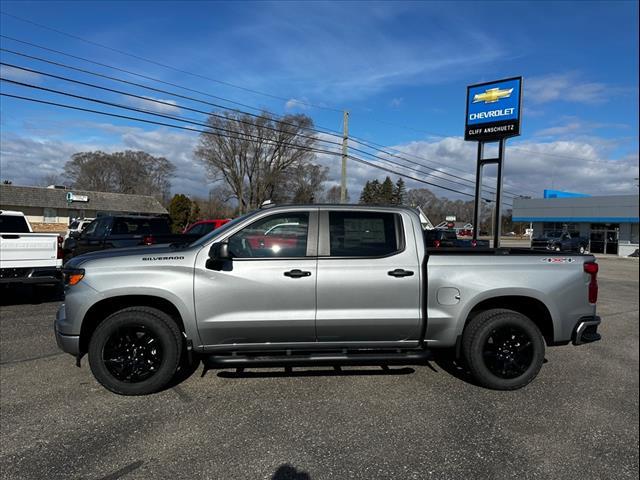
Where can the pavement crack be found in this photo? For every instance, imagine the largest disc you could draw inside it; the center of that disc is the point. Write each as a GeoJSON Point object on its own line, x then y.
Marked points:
{"type": "Point", "coordinates": [123, 471]}
{"type": "Point", "coordinates": [29, 359]}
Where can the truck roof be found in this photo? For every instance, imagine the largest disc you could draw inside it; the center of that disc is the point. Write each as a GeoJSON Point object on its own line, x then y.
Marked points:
{"type": "Point", "coordinates": [11, 212]}
{"type": "Point", "coordinates": [341, 206]}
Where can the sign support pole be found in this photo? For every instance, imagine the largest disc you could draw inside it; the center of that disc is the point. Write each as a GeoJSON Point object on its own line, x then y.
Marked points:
{"type": "Point", "coordinates": [477, 207]}
{"type": "Point", "coordinates": [477, 210]}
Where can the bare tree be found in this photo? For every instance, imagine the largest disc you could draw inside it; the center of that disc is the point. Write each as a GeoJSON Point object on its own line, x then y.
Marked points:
{"type": "Point", "coordinates": [120, 172]}
{"type": "Point", "coordinates": [303, 183]}
{"type": "Point", "coordinates": [333, 194]}
{"type": "Point", "coordinates": [253, 155]}
{"type": "Point", "coordinates": [50, 179]}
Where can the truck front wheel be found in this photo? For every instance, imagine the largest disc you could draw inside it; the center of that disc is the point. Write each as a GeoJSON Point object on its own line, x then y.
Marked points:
{"type": "Point", "coordinates": [135, 351]}
{"type": "Point", "coordinates": [504, 350]}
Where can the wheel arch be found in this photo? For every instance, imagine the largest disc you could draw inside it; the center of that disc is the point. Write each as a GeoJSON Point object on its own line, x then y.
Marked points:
{"type": "Point", "coordinates": [106, 307]}
{"type": "Point", "coordinates": [528, 306]}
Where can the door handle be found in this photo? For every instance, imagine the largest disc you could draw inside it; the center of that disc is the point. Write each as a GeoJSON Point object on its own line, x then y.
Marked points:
{"type": "Point", "coordinates": [398, 272]}
{"type": "Point", "coordinates": [297, 273]}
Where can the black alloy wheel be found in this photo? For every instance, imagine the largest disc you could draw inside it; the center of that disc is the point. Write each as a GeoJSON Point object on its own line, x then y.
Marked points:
{"type": "Point", "coordinates": [132, 354]}
{"type": "Point", "coordinates": [508, 352]}
{"type": "Point", "coordinates": [136, 351]}
{"type": "Point", "coordinates": [503, 349]}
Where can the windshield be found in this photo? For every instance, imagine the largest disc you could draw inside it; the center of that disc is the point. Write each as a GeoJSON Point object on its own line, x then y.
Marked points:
{"type": "Point", "coordinates": [202, 240]}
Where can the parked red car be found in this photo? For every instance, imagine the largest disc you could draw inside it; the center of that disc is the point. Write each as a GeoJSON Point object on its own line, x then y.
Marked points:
{"type": "Point", "coordinates": [203, 227]}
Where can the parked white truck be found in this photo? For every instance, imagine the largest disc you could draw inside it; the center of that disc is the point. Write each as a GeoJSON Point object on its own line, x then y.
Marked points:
{"type": "Point", "coordinates": [27, 257]}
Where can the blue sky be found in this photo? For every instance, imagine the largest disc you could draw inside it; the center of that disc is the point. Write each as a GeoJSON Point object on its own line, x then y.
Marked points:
{"type": "Point", "coordinates": [400, 69]}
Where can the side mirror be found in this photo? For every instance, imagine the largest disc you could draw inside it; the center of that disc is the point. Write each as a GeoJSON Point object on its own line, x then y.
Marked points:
{"type": "Point", "coordinates": [219, 252]}
{"type": "Point", "coordinates": [74, 234]}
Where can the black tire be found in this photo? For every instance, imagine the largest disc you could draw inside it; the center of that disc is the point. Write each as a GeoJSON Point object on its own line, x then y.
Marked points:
{"type": "Point", "coordinates": [135, 351]}
{"type": "Point", "coordinates": [503, 349]}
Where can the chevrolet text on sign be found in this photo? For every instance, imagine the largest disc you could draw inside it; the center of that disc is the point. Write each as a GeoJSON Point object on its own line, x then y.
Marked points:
{"type": "Point", "coordinates": [493, 110]}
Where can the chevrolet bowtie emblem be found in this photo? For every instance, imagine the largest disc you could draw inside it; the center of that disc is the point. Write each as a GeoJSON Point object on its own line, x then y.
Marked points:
{"type": "Point", "coordinates": [492, 95]}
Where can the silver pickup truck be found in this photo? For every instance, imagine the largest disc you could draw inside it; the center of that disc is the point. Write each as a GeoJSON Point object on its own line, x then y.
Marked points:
{"type": "Point", "coordinates": [322, 285]}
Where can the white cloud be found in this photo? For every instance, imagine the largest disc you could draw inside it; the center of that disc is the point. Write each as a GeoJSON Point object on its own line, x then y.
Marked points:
{"type": "Point", "coordinates": [19, 75]}
{"type": "Point", "coordinates": [295, 104]}
{"type": "Point", "coordinates": [151, 103]}
{"type": "Point", "coordinates": [25, 161]}
{"type": "Point", "coordinates": [396, 102]}
{"type": "Point", "coordinates": [565, 87]}
{"type": "Point", "coordinates": [530, 167]}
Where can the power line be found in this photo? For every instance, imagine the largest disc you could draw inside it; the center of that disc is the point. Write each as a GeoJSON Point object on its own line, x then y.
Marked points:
{"type": "Point", "coordinates": [182, 127]}
{"type": "Point", "coordinates": [471, 182]}
{"type": "Point", "coordinates": [166, 92]}
{"type": "Point", "coordinates": [146, 77]}
{"type": "Point", "coordinates": [458, 139]}
{"type": "Point", "coordinates": [188, 120]}
{"type": "Point", "coordinates": [169, 67]}
{"type": "Point", "coordinates": [180, 118]}
{"type": "Point", "coordinates": [153, 100]}
{"type": "Point", "coordinates": [139, 110]}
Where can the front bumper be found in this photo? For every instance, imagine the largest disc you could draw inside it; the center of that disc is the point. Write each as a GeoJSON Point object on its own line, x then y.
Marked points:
{"type": "Point", "coordinates": [66, 343]}
{"type": "Point", "coordinates": [586, 330]}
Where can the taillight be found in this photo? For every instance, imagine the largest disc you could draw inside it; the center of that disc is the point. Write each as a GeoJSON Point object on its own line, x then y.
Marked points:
{"type": "Point", "coordinates": [436, 243]}
{"type": "Point", "coordinates": [148, 240]}
{"type": "Point", "coordinates": [60, 255]}
{"type": "Point", "coordinates": [592, 269]}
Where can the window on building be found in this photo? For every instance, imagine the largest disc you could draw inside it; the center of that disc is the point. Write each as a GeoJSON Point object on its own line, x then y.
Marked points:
{"type": "Point", "coordinates": [50, 215]}
{"type": "Point", "coordinates": [634, 233]}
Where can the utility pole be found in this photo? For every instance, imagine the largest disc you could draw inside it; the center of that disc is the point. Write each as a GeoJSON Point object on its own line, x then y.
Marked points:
{"type": "Point", "coordinates": [345, 154]}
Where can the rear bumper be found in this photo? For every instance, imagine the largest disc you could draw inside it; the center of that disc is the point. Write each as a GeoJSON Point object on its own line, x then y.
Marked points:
{"type": "Point", "coordinates": [586, 330]}
{"type": "Point", "coordinates": [35, 275]}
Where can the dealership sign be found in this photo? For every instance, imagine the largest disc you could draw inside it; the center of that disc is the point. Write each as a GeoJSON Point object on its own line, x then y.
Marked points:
{"type": "Point", "coordinates": [74, 197]}
{"type": "Point", "coordinates": [493, 110]}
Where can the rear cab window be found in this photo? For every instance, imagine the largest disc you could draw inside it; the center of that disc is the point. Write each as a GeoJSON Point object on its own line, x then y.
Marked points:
{"type": "Point", "coordinates": [13, 224]}
{"type": "Point", "coordinates": [364, 234]}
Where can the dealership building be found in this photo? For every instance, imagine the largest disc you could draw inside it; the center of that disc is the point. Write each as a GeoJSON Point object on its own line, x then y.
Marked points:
{"type": "Point", "coordinates": [51, 208]}
{"type": "Point", "coordinates": [610, 223]}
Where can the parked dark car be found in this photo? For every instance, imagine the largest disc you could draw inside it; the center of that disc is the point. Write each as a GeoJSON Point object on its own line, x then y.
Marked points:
{"type": "Point", "coordinates": [561, 242]}
{"type": "Point", "coordinates": [203, 227]}
{"type": "Point", "coordinates": [448, 239]}
{"type": "Point", "coordinates": [121, 232]}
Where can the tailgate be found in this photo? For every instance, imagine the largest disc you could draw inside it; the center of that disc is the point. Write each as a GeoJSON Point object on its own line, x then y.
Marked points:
{"type": "Point", "coordinates": [29, 250]}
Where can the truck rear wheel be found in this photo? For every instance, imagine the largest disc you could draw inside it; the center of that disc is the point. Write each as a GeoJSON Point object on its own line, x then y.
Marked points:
{"type": "Point", "coordinates": [504, 350]}
{"type": "Point", "coordinates": [135, 351]}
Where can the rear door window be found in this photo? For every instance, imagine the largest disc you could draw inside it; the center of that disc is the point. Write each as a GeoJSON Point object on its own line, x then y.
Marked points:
{"type": "Point", "coordinates": [13, 224]}
{"type": "Point", "coordinates": [364, 234]}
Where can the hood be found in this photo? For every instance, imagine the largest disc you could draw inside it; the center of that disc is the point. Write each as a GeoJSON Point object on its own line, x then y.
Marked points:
{"type": "Point", "coordinates": [139, 251]}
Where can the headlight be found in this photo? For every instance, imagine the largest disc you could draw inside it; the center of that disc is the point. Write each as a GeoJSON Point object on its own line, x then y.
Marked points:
{"type": "Point", "coordinates": [72, 275]}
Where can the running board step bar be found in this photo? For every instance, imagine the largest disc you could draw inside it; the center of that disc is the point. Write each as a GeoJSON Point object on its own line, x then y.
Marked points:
{"type": "Point", "coordinates": [317, 359]}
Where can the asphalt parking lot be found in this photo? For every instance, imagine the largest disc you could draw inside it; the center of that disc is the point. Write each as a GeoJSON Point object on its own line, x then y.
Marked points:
{"type": "Point", "coordinates": [578, 419]}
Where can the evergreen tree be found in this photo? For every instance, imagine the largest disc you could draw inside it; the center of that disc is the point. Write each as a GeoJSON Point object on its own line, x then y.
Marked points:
{"type": "Point", "coordinates": [400, 192]}
{"type": "Point", "coordinates": [180, 212]}
{"type": "Point", "coordinates": [386, 196]}
{"type": "Point", "coordinates": [376, 187]}
{"type": "Point", "coordinates": [366, 195]}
